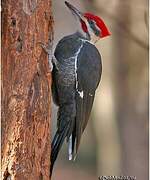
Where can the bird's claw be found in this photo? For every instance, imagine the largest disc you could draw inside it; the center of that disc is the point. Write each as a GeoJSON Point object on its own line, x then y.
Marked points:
{"type": "Point", "coordinates": [48, 50]}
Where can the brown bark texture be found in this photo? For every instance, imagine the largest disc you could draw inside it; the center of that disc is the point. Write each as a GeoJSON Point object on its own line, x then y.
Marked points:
{"type": "Point", "coordinates": [26, 89]}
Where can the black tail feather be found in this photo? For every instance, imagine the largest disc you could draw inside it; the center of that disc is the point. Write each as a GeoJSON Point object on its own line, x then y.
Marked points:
{"type": "Point", "coordinates": [56, 146]}
{"type": "Point", "coordinates": [73, 142]}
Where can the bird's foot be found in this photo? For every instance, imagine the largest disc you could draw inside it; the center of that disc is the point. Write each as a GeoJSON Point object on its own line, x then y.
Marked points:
{"type": "Point", "coordinates": [48, 50]}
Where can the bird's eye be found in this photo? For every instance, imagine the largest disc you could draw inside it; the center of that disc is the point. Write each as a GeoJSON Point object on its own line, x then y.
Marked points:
{"type": "Point", "coordinates": [94, 27]}
{"type": "Point", "coordinates": [91, 22]}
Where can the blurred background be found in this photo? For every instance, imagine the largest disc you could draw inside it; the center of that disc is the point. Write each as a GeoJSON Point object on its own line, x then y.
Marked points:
{"type": "Point", "coordinates": [116, 139]}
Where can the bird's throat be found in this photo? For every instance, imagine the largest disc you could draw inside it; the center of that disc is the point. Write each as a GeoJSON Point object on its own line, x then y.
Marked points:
{"type": "Point", "coordinates": [93, 38]}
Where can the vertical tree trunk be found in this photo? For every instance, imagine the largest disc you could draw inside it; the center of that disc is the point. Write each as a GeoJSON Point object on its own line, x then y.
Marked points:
{"type": "Point", "coordinates": [26, 94]}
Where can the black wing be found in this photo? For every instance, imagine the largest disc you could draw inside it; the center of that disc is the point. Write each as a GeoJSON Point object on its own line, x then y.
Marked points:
{"type": "Point", "coordinates": [89, 70]}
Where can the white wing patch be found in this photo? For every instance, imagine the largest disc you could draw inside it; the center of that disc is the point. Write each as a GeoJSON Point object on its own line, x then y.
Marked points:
{"type": "Point", "coordinates": [81, 94]}
{"type": "Point", "coordinates": [70, 148]}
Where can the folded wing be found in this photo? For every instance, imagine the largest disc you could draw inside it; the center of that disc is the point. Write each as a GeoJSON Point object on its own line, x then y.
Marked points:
{"type": "Point", "coordinates": [88, 77]}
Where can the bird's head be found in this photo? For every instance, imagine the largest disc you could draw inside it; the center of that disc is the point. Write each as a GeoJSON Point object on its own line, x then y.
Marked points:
{"type": "Point", "coordinates": [92, 26]}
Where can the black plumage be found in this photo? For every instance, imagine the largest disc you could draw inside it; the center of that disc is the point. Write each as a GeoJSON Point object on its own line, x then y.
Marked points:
{"type": "Point", "coordinates": [76, 75]}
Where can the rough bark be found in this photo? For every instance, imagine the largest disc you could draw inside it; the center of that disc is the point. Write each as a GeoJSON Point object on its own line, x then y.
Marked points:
{"type": "Point", "coordinates": [26, 92]}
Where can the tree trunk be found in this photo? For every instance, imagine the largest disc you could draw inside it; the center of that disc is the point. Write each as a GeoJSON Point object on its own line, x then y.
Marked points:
{"type": "Point", "coordinates": [26, 92]}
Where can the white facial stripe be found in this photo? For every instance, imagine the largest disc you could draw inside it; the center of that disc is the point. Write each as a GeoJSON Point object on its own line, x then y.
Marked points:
{"type": "Point", "coordinates": [94, 27]}
{"type": "Point", "coordinates": [93, 37]}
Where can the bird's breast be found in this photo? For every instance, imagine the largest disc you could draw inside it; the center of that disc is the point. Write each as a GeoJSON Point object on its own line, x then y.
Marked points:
{"type": "Point", "coordinates": [68, 53]}
{"type": "Point", "coordinates": [66, 72]}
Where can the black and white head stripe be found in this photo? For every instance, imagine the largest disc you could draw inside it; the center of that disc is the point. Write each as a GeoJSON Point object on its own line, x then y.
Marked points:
{"type": "Point", "coordinates": [94, 27]}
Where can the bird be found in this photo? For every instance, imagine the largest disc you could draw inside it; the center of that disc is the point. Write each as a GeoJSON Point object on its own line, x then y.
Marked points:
{"type": "Point", "coordinates": [76, 74]}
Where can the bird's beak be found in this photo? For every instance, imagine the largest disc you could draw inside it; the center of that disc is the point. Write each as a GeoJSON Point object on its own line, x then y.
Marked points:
{"type": "Point", "coordinates": [74, 11]}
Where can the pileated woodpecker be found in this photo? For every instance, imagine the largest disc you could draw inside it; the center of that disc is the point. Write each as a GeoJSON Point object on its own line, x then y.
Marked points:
{"type": "Point", "coordinates": [76, 74]}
